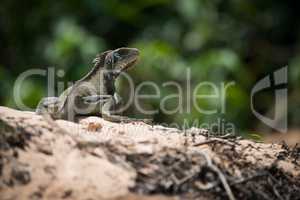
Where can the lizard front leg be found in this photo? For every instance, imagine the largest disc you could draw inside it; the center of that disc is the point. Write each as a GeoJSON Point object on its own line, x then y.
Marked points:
{"type": "Point", "coordinates": [96, 99]}
{"type": "Point", "coordinates": [109, 108]}
{"type": "Point", "coordinates": [91, 104]}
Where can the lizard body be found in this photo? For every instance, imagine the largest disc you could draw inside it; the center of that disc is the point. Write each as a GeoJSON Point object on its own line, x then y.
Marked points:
{"type": "Point", "coordinates": [95, 93]}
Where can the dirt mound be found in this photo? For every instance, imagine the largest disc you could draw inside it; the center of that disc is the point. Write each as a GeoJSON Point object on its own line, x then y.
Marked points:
{"type": "Point", "coordinates": [96, 159]}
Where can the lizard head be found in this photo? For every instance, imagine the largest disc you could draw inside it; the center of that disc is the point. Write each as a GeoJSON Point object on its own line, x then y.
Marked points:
{"type": "Point", "coordinates": [121, 59]}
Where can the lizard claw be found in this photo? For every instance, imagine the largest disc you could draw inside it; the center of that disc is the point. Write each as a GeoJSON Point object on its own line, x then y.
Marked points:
{"type": "Point", "coordinates": [95, 98]}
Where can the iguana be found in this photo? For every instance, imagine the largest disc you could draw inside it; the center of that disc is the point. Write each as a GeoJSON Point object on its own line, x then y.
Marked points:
{"type": "Point", "coordinates": [95, 93]}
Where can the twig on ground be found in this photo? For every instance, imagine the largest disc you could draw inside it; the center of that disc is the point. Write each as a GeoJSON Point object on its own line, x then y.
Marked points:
{"type": "Point", "coordinates": [213, 140]}
{"type": "Point", "coordinates": [220, 174]}
{"type": "Point", "coordinates": [242, 180]}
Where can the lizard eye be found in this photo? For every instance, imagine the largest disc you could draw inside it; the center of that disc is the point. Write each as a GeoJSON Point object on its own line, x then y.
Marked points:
{"type": "Point", "coordinates": [117, 56]}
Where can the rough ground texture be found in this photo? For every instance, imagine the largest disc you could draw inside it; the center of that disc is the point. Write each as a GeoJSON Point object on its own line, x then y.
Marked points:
{"type": "Point", "coordinates": [95, 159]}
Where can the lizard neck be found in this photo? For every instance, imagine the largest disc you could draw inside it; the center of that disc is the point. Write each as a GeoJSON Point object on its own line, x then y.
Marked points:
{"type": "Point", "coordinates": [109, 84]}
{"type": "Point", "coordinates": [104, 83]}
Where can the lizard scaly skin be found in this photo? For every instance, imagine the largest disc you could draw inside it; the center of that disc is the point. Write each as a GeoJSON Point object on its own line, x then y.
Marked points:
{"type": "Point", "coordinates": [95, 93]}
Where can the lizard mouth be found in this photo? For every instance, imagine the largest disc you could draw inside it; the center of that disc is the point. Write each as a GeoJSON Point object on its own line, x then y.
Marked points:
{"type": "Point", "coordinates": [128, 65]}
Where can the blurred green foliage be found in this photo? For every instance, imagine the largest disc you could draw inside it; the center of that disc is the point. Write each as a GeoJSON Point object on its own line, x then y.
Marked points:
{"type": "Point", "coordinates": [219, 40]}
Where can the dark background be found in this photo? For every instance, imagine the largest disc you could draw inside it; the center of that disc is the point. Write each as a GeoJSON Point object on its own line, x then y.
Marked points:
{"type": "Point", "coordinates": [220, 41]}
